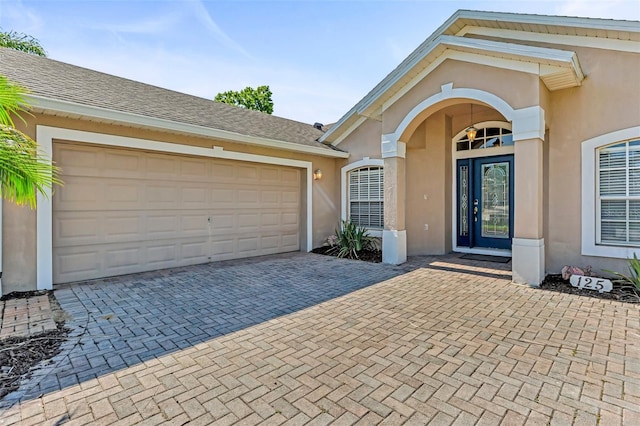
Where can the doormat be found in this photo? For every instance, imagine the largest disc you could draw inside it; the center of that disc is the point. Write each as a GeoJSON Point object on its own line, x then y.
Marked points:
{"type": "Point", "coordinates": [486, 258]}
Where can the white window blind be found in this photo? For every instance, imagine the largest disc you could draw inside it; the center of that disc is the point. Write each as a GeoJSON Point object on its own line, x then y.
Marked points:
{"type": "Point", "coordinates": [618, 194]}
{"type": "Point", "coordinates": [366, 197]}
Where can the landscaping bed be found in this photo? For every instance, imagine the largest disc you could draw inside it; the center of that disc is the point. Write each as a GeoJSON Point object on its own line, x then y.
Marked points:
{"type": "Point", "coordinates": [19, 355]}
{"type": "Point", "coordinates": [373, 256]}
{"type": "Point", "coordinates": [620, 292]}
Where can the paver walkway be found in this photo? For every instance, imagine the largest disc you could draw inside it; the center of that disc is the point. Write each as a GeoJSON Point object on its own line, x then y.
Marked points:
{"type": "Point", "coordinates": [25, 317]}
{"type": "Point", "coordinates": [308, 339]}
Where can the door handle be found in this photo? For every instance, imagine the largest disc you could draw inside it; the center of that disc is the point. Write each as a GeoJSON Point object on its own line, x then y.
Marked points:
{"type": "Point", "coordinates": [475, 210]}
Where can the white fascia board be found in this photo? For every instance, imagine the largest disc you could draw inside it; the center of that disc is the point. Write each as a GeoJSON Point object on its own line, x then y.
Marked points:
{"type": "Point", "coordinates": [551, 21]}
{"type": "Point", "coordinates": [510, 50]}
{"type": "Point", "coordinates": [65, 107]}
{"type": "Point", "coordinates": [567, 40]}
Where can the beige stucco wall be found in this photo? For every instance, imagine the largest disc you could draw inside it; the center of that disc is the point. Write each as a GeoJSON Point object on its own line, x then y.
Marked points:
{"type": "Point", "coordinates": [607, 101]}
{"type": "Point", "coordinates": [429, 187]}
{"type": "Point", "coordinates": [19, 223]}
{"type": "Point", "coordinates": [365, 141]}
{"type": "Point", "coordinates": [498, 81]}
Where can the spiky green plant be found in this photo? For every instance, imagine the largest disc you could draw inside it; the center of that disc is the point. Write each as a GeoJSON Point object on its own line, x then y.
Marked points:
{"type": "Point", "coordinates": [23, 170]}
{"type": "Point", "coordinates": [634, 273]}
{"type": "Point", "coordinates": [351, 239]}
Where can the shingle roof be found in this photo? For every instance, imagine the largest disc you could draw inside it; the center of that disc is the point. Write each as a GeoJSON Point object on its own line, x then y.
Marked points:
{"type": "Point", "coordinates": [60, 81]}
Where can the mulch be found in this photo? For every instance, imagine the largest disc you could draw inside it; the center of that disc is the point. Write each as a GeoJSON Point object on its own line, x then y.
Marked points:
{"type": "Point", "coordinates": [620, 292]}
{"type": "Point", "coordinates": [19, 355]}
{"type": "Point", "coordinates": [373, 256]}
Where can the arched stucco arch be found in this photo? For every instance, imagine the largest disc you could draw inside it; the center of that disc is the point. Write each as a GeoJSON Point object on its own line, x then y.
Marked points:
{"type": "Point", "coordinates": [448, 96]}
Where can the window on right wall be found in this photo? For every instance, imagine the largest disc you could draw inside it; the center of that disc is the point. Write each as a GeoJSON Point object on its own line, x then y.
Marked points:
{"type": "Point", "coordinates": [618, 194]}
{"type": "Point", "coordinates": [610, 191]}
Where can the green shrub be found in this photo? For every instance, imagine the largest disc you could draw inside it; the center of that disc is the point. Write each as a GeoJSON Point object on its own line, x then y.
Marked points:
{"type": "Point", "coordinates": [350, 239]}
{"type": "Point", "coordinates": [634, 273]}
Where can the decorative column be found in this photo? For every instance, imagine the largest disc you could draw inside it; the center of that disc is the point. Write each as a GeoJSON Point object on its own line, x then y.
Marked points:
{"type": "Point", "coordinates": [528, 265]}
{"type": "Point", "coordinates": [394, 235]}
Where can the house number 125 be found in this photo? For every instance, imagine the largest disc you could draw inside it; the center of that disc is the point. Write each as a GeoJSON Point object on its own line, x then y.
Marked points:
{"type": "Point", "coordinates": [591, 283]}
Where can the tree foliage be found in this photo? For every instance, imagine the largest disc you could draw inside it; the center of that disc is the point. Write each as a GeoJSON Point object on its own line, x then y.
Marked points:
{"type": "Point", "coordinates": [23, 170]}
{"type": "Point", "coordinates": [22, 42]}
{"type": "Point", "coordinates": [258, 99]}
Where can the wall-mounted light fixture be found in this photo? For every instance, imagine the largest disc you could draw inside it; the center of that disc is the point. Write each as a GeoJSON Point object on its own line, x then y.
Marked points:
{"type": "Point", "coordinates": [317, 174]}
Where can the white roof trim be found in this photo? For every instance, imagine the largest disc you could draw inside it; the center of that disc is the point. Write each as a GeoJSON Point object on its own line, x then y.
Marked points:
{"type": "Point", "coordinates": [551, 21]}
{"type": "Point", "coordinates": [456, 23]}
{"type": "Point", "coordinates": [556, 62]}
{"type": "Point", "coordinates": [570, 40]}
{"type": "Point", "coordinates": [64, 107]}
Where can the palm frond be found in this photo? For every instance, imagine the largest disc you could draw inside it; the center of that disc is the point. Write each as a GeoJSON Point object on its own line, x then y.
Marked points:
{"type": "Point", "coordinates": [23, 170]}
{"type": "Point", "coordinates": [12, 101]}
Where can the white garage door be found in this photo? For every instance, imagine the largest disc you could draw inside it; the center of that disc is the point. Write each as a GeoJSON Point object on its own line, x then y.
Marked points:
{"type": "Point", "coordinates": [125, 211]}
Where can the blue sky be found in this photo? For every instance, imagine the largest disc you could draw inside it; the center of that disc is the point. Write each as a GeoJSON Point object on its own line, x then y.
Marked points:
{"type": "Point", "coordinates": [318, 57]}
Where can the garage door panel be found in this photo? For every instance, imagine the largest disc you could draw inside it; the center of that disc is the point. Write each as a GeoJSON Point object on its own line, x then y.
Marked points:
{"type": "Point", "coordinates": [290, 177]}
{"type": "Point", "coordinates": [77, 161]}
{"type": "Point", "coordinates": [161, 196]}
{"type": "Point", "coordinates": [161, 166]}
{"type": "Point", "coordinates": [270, 174]}
{"type": "Point", "coordinates": [121, 164]}
{"type": "Point", "coordinates": [248, 196]}
{"type": "Point", "coordinates": [221, 172]}
{"type": "Point", "coordinates": [161, 225]}
{"type": "Point", "coordinates": [195, 196]}
{"type": "Point", "coordinates": [223, 197]}
{"type": "Point", "coordinates": [77, 227]}
{"type": "Point", "coordinates": [248, 245]}
{"type": "Point", "coordinates": [78, 263]}
{"type": "Point", "coordinates": [194, 223]}
{"type": "Point", "coordinates": [247, 173]}
{"type": "Point", "coordinates": [248, 222]}
{"type": "Point", "coordinates": [134, 211]}
{"type": "Point", "coordinates": [123, 257]}
{"type": "Point", "coordinates": [290, 199]}
{"type": "Point", "coordinates": [162, 254]}
{"type": "Point", "coordinates": [77, 194]}
{"type": "Point", "coordinates": [291, 219]}
{"type": "Point", "coordinates": [195, 251]}
{"type": "Point", "coordinates": [121, 226]}
{"type": "Point", "coordinates": [290, 242]}
{"type": "Point", "coordinates": [197, 169]}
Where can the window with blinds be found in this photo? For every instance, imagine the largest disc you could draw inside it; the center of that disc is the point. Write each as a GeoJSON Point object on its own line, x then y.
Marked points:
{"type": "Point", "coordinates": [366, 197]}
{"type": "Point", "coordinates": [618, 194]}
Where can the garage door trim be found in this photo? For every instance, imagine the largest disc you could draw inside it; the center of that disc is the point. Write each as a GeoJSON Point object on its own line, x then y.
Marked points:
{"type": "Point", "coordinates": [44, 214]}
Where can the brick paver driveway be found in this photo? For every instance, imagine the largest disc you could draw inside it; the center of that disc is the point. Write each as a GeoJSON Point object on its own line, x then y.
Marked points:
{"type": "Point", "coordinates": [308, 339]}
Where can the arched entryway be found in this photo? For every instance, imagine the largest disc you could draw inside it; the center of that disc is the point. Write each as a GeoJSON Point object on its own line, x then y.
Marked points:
{"type": "Point", "coordinates": [504, 179]}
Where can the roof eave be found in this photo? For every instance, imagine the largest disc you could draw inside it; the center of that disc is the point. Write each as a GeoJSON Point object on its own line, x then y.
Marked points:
{"type": "Point", "coordinates": [56, 106]}
{"type": "Point", "coordinates": [364, 106]}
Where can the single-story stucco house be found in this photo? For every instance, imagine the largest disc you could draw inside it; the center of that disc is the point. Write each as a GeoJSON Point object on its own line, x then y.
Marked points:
{"type": "Point", "coordinates": [502, 133]}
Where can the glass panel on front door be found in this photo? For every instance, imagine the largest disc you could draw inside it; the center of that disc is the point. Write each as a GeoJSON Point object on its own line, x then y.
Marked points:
{"type": "Point", "coordinates": [495, 200]}
{"type": "Point", "coordinates": [485, 202]}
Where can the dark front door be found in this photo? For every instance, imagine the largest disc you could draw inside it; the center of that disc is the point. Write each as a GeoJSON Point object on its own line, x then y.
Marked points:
{"type": "Point", "coordinates": [485, 202]}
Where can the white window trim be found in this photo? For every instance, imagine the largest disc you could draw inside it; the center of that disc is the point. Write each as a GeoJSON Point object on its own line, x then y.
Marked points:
{"type": "Point", "coordinates": [589, 184]}
{"type": "Point", "coordinates": [344, 187]}
{"type": "Point", "coordinates": [44, 213]}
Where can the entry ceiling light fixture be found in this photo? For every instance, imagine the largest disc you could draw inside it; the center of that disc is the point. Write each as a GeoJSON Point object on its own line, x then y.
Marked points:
{"type": "Point", "coordinates": [471, 130]}
{"type": "Point", "coordinates": [317, 174]}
